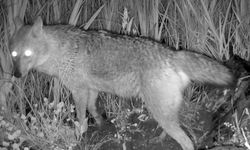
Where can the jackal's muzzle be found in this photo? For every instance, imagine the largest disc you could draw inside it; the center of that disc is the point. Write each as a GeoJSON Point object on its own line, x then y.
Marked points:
{"type": "Point", "coordinates": [17, 69]}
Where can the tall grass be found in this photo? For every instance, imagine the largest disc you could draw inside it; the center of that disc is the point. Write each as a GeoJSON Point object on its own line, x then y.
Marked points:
{"type": "Point", "coordinates": [5, 58]}
{"type": "Point", "coordinates": [216, 28]}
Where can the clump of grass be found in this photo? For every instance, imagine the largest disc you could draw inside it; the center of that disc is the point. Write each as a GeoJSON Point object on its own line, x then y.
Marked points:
{"type": "Point", "coordinates": [43, 106]}
{"type": "Point", "coordinates": [44, 120]}
{"type": "Point", "coordinates": [239, 128]}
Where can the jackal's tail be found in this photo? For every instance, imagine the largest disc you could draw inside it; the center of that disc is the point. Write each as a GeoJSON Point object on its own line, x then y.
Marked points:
{"type": "Point", "coordinates": [203, 69]}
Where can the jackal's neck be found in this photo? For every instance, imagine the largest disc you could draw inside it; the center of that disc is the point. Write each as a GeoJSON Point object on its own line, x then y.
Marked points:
{"type": "Point", "coordinates": [60, 62]}
{"type": "Point", "coordinates": [49, 67]}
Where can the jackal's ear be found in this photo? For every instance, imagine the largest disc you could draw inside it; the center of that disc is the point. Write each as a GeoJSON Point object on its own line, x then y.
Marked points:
{"type": "Point", "coordinates": [18, 23]}
{"type": "Point", "coordinates": [37, 27]}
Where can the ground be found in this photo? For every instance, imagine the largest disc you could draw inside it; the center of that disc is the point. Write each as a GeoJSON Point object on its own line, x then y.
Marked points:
{"type": "Point", "coordinates": [130, 128]}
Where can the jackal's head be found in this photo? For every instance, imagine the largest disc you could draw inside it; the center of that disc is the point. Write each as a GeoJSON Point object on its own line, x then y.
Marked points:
{"type": "Point", "coordinates": [28, 46]}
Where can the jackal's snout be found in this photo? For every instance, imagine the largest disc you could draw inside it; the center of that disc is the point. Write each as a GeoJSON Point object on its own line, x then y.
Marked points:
{"type": "Point", "coordinates": [16, 72]}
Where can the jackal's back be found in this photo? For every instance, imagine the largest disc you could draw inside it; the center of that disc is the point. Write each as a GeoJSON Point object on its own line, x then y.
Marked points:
{"type": "Point", "coordinates": [108, 61]}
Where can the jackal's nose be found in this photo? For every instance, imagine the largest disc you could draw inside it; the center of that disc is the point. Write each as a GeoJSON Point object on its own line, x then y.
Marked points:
{"type": "Point", "coordinates": [17, 73]}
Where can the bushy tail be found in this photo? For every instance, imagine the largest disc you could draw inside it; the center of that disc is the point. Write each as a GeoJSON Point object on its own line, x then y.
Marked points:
{"type": "Point", "coordinates": [203, 69]}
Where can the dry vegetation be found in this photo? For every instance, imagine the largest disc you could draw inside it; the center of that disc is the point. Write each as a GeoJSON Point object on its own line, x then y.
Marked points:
{"type": "Point", "coordinates": [37, 111]}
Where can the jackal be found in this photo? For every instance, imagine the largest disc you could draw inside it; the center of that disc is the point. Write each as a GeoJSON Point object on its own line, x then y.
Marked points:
{"type": "Point", "coordinates": [89, 61]}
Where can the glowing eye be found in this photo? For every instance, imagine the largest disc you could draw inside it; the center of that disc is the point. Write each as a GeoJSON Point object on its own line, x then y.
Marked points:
{"type": "Point", "coordinates": [14, 53]}
{"type": "Point", "coordinates": [28, 52]}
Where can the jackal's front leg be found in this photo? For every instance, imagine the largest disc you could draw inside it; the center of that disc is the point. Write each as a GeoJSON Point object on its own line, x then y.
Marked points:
{"type": "Point", "coordinates": [86, 98]}
{"type": "Point", "coordinates": [80, 97]}
{"type": "Point", "coordinates": [92, 97]}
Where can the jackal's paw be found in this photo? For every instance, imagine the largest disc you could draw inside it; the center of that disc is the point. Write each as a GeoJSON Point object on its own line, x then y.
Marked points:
{"type": "Point", "coordinates": [99, 120]}
{"type": "Point", "coordinates": [159, 138]}
{"type": "Point", "coordinates": [81, 127]}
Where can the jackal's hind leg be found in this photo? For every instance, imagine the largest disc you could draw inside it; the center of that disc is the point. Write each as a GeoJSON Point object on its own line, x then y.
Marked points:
{"type": "Point", "coordinates": [163, 97]}
{"type": "Point", "coordinates": [165, 108]}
